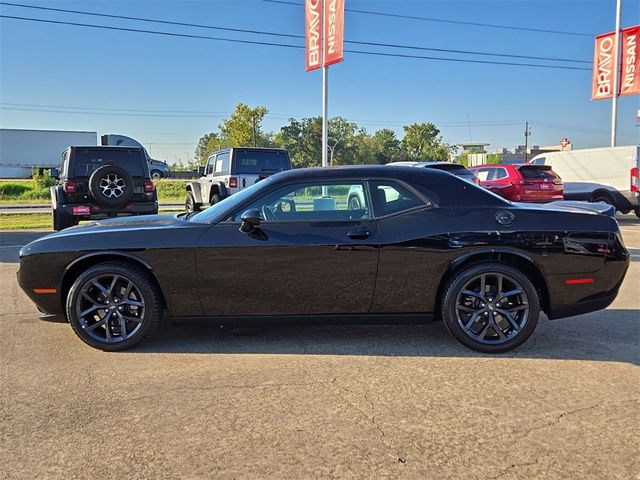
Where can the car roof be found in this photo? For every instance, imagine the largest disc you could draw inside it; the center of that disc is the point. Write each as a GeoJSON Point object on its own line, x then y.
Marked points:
{"type": "Point", "coordinates": [358, 171]}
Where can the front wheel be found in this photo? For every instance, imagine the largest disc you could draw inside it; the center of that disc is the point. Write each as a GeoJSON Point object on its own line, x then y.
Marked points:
{"type": "Point", "coordinates": [490, 307]}
{"type": "Point", "coordinates": [156, 174]}
{"type": "Point", "coordinates": [113, 306]}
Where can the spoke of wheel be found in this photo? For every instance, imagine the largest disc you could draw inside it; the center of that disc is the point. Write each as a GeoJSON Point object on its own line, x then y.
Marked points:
{"type": "Point", "coordinates": [499, 292]}
{"type": "Point", "coordinates": [483, 285]}
{"type": "Point", "coordinates": [508, 316]}
{"type": "Point", "coordinates": [103, 290]}
{"type": "Point", "coordinates": [96, 325]}
{"type": "Point", "coordinates": [92, 309]}
{"type": "Point", "coordinates": [113, 284]}
{"type": "Point", "coordinates": [472, 320]}
{"type": "Point", "coordinates": [511, 293]}
{"type": "Point", "coordinates": [131, 319]}
{"type": "Point", "coordinates": [517, 308]}
{"type": "Point", "coordinates": [132, 302]}
{"type": "Point", "coordinates": [472, 294]}
{"type": "Point", "coordinates": [123, 326]}
{"type": "Point", "coordinates": [498, 330]}
{"type": "Point", "coordinates": [464, 308]}
{"type": "Point", "coordinates": [86, 295]}
{"type": "Point", "coordinates": [107, 328]}
{"type": "Point", "coordinates": [127, 291]}
{"type": "Point", "coordinates": [484, 331]}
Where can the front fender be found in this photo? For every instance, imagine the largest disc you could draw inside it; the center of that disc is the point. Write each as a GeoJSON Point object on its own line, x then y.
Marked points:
{"type": "Point", "coordinates": [194, 188]}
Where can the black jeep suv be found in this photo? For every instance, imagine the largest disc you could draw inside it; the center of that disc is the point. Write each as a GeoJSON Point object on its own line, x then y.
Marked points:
{"type": "Point", "coordinates": [100, 182]}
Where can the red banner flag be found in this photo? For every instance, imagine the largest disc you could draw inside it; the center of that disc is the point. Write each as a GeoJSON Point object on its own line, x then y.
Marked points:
{"type": "Point", "coordinates": [312, 27]}
{"type": "Point", "coordinates": [333, 31]}
{"type": "Point", "coordinates": [604, 63]}
{"type": "Point", "coordinates": [630, 68]}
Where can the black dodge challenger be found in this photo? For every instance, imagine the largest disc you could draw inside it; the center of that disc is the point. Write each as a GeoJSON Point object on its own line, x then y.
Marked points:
{"type": "Point", "coordinates": [421, 242]}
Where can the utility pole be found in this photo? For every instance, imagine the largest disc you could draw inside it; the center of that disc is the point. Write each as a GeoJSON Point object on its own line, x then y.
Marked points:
{"type": "Point", "coordinates": [614, 99]}
{"type": "Point", "coordinates": [527, 134]}
{"type": "Point", "coordinates": [254, 131]}
{"type": "Point", "coordinates": [325, 100]}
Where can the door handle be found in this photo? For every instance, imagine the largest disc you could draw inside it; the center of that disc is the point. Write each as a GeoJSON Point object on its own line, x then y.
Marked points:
{"type": "Point", "coordinates": [359, 234]}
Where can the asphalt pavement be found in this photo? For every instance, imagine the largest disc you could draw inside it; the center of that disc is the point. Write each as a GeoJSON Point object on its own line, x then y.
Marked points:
{"type": "Point", "coordinates": [198, 401]}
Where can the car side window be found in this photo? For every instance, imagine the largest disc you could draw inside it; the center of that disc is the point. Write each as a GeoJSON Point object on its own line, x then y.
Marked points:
{"type": "Point", "coordinates": [500, 173]}
{"type": "Point", "coordinates": [482, 174]}
{"type": "Point", "coordinates": [313, 202]}
{"type": "Point", "coordinates": [538, 161]}
{"type": "Point", "coordinates": [391, 197]}
{"type": "Point", "coordinates": [222, 163]}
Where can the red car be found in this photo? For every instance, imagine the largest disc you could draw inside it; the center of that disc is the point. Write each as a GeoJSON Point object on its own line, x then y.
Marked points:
{"type": "Point", "coordinates": [521, 183]}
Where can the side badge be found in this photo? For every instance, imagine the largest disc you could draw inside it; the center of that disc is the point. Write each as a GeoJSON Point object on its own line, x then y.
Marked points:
{"type": "Point", "coordinates": [505, 218]}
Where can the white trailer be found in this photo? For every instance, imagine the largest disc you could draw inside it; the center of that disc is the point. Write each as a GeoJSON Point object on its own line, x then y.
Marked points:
{"type": "Point", "coordinates": [608, 174]}
{"type": "Point", "coordinates": [23, 150]}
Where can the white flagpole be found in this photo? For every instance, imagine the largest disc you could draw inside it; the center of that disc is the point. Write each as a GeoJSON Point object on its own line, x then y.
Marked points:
{"type": "Point", "coordinates": [325, 100]}
{"type": "Point", "coordinates": [616, 68]}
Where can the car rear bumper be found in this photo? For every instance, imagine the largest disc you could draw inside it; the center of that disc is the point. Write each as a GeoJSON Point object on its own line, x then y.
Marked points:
{"type": "Point", "coordinates": [97, 212]}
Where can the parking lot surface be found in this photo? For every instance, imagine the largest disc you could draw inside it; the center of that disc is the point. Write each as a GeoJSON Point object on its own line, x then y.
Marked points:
{"type": "Point", "coordinates": [407, 401]}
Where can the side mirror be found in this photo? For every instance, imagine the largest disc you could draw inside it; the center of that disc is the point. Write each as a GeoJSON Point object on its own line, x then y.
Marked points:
{"type": "Point", "coordinates": [201, 171]}
{"type": "Point", "coordinates": [54, 173]}
{"type": "Point", "coordinates": [250, 220]}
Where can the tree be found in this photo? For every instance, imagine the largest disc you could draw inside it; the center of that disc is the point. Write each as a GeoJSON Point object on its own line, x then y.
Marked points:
{"type": "Point", "coordinates": [422, 142]}
{"type": "Point", "coordinates": [303, 140]}
{"type": "Point", "coordinates": [342, 145]}
{"type": "Point", "coordinates": [244, 128]}
{"type": "Point", "coordinates": [208, 143]}
{"type": "Point", "coordinates": [386, 147]}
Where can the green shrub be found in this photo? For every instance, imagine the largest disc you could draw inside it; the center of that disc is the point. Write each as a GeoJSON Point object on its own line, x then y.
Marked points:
{"type": "Point", "coordinates": [10, 190]}
{"type": "Point", "coordinates": [171, 189]}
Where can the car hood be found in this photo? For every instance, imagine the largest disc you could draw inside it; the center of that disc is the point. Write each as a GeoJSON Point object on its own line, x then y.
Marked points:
{"type": "Point", "coordinates": [114, 233]}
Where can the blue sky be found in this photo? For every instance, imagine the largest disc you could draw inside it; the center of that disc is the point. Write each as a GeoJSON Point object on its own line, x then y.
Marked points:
{"type": "Point", "coordinates": [65, 77]}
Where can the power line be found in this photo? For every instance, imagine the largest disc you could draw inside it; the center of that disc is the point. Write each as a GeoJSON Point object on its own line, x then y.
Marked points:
{"type": "Point", "coordinates": [282, 45]}
{"type": "Point", "coordinates": [441, 20]}
{"type": "Point", "coordinates": [287, 35]}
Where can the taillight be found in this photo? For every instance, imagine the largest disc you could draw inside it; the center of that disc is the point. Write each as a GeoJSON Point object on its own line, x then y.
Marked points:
{"type": "Point", "coordinates": [635, 180]}
{"type": "Point", "coordinates": [233, 182]}
{"type": "Point", "coordinates": [148, 187]}
{"type": "Point", "coordinates": [518, 181]}
{"type": "Point", "coordinates": [69, 187]}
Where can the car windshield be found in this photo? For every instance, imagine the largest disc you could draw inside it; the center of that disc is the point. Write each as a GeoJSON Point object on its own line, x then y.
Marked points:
{"type": "Point", "coordinates": [260, 161]}
{"type": "Point", "coordinates": [88, 160]}
{"type": "Point", "coordinates": [231, 203]}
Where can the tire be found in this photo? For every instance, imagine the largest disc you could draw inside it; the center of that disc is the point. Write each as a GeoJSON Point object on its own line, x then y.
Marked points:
{"type": "Point", "coordinates": [482, 334]}
{"type": "Point", "coordinates": [637, 212]}
{"type": "Point", "coordinates": [354, 203]}
{"type": "Point", "coordinates": [190, 204]}
{"type": "Point", "coordinates": [61, 221]}
{"type": "Point", "coordinates": [111, 186]}
{"type": "Point", "coordinates": [215, 198]}
{"type": "Point", "coordinates": [156, 174]}
{"type": "Point", "coordinates": [106, 284]}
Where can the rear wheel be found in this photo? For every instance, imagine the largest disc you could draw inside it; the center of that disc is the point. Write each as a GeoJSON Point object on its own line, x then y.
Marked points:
{"type": "Point", "coordinates": [637, 212]}
{"type": "Point", "coordinates": [603, 198]}
{"type": "Point", "coordinates": [490, 307]}
{"type": "Point", "coordinates": [113, 306]}
{"type": "Point", "coordinates": [190, 204]}
{"type": "Point", "coordinates": [156, 174]}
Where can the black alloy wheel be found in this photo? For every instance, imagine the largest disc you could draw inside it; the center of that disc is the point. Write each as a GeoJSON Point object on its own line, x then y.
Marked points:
{"type": "Point", "coordinates": [491, 307]}
{"type": "Point", "coordinates": [113, 306]}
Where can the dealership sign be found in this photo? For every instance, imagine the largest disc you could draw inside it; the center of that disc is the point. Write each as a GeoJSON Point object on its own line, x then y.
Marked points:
{"type": "Point", "coordinates": [605, 64]}
{"type": "Point", "coordinates": [333, 35]}
{"type": "Point", "coordinates": [333, 31]}
{"type": "Point", "coordinates": [630, 66]}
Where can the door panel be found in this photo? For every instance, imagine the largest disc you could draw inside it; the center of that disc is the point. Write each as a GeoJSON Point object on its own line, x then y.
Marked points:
{"type": "Point", "coordinates": [296, 268]}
